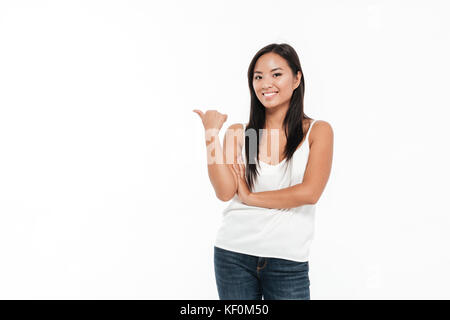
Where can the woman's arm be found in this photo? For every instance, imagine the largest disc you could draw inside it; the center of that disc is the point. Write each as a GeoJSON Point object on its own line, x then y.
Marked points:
{"type": "Point", "coordinates": [290, 197]}
{"type": "Point", "coordinates": [223, 178]}
{"type": "Point", "coordinates": [220, 172]}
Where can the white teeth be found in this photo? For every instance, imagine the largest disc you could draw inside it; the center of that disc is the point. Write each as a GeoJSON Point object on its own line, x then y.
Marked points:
{"type": "Point", "coordinates": [269, 94]}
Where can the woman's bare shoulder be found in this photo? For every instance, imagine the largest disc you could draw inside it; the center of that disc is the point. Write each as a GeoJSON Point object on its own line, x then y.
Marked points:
{"type": "Point", "coordinates": [320, 127]}
{"type": "Point", "coordinates": [236, 126]}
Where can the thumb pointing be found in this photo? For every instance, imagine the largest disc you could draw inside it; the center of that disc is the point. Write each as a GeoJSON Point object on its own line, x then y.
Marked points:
{"type": "Point", "coordinates": [198, 112]}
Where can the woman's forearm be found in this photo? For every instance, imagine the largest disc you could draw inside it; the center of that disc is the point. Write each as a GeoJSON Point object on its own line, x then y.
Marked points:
{"type": "Point", "coordinates": [219, 172]}
{"type": "Point", "coordinates": [285, 198]}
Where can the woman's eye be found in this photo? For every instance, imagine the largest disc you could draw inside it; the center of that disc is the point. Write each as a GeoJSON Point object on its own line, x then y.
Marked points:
{"type": "Point", "coordinates": [256, 78]}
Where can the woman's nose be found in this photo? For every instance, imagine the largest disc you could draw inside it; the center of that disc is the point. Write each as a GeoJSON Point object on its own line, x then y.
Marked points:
{"type": "Point", "coordinates": [267, 85]}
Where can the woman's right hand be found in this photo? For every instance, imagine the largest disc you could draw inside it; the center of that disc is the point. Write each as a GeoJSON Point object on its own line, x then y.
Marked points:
{"type": "Point", "coordinates": [212, 119]}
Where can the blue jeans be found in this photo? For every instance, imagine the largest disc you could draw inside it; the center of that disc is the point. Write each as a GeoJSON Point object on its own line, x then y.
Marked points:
{"type": "Point", "coordinates": [245, 277]}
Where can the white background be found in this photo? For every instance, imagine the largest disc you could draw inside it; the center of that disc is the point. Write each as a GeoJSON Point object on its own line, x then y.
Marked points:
{"type": "Point", "coordinates": [104, 191]}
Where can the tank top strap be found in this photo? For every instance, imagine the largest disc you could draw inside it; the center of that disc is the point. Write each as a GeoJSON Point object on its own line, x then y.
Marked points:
{"type": "Point", "coordinates": [243, 144]}
{"type": "Point", "coordinates": [309, 129]}
{"type": "Point", "coordinates": [243, 134]}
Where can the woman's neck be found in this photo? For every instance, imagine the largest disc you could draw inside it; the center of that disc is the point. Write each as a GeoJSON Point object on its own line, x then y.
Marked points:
{"type": "Point", "coordinates": [275, 118]}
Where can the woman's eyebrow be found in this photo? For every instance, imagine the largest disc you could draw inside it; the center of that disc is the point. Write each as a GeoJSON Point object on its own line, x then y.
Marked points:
{"type": "Point", "coordinates": [270, 70]}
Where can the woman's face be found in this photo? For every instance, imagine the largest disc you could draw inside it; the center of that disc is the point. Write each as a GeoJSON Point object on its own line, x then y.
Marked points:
{"type": "Point", "coordinates": [273, 74]}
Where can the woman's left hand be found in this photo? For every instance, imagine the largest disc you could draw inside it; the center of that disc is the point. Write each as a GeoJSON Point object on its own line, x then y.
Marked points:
{"type": "Point", "coordinates": [243, 191]}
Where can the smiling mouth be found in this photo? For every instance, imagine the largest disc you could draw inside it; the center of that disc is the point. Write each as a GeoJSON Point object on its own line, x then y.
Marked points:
{"type": "Point", "coordinates": [268, 95]}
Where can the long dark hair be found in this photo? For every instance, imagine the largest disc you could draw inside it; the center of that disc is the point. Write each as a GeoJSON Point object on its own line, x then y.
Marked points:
{"type": "Point", "coordinates": [293, 121]}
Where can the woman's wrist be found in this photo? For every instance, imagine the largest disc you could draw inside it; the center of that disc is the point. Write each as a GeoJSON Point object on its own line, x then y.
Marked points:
{"type": "Point", "coordinates": [211, 135]}
{"type": "Point", "coordinates": [213, 147]}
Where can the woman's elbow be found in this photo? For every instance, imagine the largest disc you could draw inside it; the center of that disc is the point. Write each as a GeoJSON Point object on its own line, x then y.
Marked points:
{"type": "Point", "coordinates": [225, 197]}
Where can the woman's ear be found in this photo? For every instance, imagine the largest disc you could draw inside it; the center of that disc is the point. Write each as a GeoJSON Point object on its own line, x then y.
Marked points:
{"type": "Point", "coordinates": [298, 78]}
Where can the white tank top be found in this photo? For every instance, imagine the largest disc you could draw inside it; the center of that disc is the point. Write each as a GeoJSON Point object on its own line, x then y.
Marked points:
{"type": "Point", "coordinates": [264, 232]}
